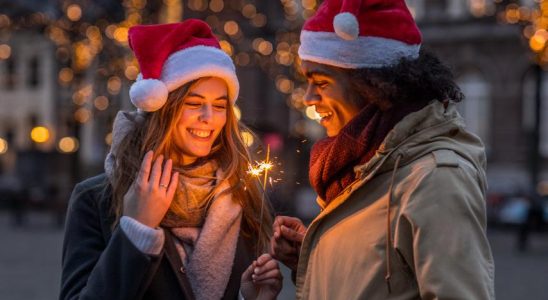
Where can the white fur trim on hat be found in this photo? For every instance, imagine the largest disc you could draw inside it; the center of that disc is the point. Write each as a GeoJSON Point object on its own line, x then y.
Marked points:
{"type": "Point", "coordinates": [148, 94]}
{"type": "Point", "coordinates": [346, 26]}
{"type": "Point", "coordinates": [197, 62]}
{"type": "Point", "coordinates": [364, 52]}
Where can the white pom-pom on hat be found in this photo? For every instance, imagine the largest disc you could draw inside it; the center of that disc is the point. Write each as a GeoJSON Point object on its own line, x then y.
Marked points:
{"type": "Point", "coordinates": [346, 26]}
{"type": "Point", "coordinates": [148, 94]}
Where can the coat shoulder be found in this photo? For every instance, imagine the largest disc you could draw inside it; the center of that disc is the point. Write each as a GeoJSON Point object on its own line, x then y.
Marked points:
{"type": "Point", "coordinates": [91, 192]}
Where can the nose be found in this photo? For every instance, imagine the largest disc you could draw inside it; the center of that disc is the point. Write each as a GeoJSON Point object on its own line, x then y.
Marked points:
{"type": "Point", "coordinates": [206, 112]}
{"type": "Point", "coordinates": [311, 97]}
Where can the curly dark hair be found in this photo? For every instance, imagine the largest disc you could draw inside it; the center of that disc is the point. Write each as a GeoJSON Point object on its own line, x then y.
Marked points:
{"type": "Point", "coordinates": [415, 82]}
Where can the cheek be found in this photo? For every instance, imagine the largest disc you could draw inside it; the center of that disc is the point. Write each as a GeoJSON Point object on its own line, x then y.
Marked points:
{"type": "Point", "coordinates": [220, 119]}
{"type": "Point", "coordinates": [186, 118]}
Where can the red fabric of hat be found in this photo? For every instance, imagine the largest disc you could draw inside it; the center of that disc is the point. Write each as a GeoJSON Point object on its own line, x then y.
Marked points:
{"type": "Point", "coordinates": [360, 33]}
{"type": "Point", "coordinates": [171, 55]}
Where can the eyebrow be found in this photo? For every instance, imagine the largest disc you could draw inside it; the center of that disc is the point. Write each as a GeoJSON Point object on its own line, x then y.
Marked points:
{"type": "Point", "coordinates": [224, 97]}
{"type": "Point", "coordinates": [311, 73]}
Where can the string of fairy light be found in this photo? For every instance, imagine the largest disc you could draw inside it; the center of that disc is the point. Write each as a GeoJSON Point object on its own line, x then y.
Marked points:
{"type": "Point", "coordinates": [100, 46]}
{"type": "Point", "coordinates": [535, 26]}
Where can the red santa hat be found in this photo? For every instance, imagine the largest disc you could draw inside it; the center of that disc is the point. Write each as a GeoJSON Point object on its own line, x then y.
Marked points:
{"type": "Point", "coordinates": [360, 34]}
{"type": "Point", "coordinates": [171, 55]}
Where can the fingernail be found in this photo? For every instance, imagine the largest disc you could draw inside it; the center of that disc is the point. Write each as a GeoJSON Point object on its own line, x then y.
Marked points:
{"type": "Point", "coordinates": [256, 270]}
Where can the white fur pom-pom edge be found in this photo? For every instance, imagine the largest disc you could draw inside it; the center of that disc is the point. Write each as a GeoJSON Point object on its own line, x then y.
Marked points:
{"type": "Point", "coordinates": [148, 94]}
{"type": "Point", "coordinates": [346, 26]}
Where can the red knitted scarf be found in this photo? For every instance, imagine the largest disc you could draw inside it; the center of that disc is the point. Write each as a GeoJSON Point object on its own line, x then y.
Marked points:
{"type": "Point", "coordinates": [332, 159]}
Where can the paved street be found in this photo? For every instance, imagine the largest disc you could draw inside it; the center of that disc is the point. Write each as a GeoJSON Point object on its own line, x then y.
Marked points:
{"type": "Point", "coordinates": [30, 263]}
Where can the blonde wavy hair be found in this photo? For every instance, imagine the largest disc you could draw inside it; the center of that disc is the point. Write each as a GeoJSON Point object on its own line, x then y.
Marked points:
{"type": "Point", "coordinates": [156, 133]}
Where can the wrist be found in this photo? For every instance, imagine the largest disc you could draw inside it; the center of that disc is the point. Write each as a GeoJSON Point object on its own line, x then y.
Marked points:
{"type": "Point", "coordinates": [142, 219]}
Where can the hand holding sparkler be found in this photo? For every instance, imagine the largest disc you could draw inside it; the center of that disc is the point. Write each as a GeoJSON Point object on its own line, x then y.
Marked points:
{"type": "Point", "coordinates": [287, 239]}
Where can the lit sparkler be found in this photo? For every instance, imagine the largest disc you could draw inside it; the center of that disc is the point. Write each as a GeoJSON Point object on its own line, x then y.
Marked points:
{"type": "Point", "coordinates": [261, 168]}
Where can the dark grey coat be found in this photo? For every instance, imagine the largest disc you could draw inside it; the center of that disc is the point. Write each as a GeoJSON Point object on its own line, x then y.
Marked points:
{"type": "Point", "coordinates": [101, 263]}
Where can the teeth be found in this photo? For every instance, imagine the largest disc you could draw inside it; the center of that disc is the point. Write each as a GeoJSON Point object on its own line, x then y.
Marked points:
{"type": "Point", "coordinates": [325, 114]}
{"type": "Point", "coordinates": [200, 133]}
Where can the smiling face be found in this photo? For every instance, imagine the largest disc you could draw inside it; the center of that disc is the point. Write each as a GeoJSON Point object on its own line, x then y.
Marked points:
{"type": "Point", "coordinates": [202, 118]}
{"type": "Point", "coordinates": [327, 91]}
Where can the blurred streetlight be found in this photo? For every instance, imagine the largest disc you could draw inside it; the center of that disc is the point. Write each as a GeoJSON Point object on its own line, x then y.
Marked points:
{"type": "Point", "coordinates": [39, 134]}
{"type": "Point", "coordinates": [68, 144]}
{"type": "Point", "coordinates": [3, 146]}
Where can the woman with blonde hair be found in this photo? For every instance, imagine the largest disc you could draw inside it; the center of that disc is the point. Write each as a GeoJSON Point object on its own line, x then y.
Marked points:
{"type": "Point", "coordinates": [175, 216]}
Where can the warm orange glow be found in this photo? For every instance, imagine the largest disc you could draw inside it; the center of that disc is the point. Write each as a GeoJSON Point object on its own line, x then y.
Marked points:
{"type": "Point", "coordinates": [82, 115]}
{"type": "Point", "coordinates": [265, 48]}
{"type": "Point", "coordinates": [39, 134]}
{"type": "Point", "coordinates": [259, 20]}
{"type": "Point", "coordinates": [512, 13]}
{"type": "Point", "coordinates": [309, 4]}
{"type": "Point", "coordinates": [131, 72]}
{"type": "Point", "coordinates": [79, 98]}
{"type": "Point", "coordinates": [249, 11]}
{"type": "Point", "coordinates": [538, 41]}
{"type": "Point", "coordinates": [74, 12]}
{"type": "Point", "coordinates": [247, 138]}
{"type": "Point", "coordinates": [101, 102]}
{"type": "Point", "coordinates": [284, 85]}
{"type": "Point", "coordinates": [231, 28]}
{"type": "Point", "coordinates": [3, 146]}
{"type": "Point", "coordinates": [120, 34]}
{"type": "Point", "coordinates": [93, 33]}
{"type": "Point", "coordinates": [5, 51]}
{"type": "Point", "coordinates": [66, 75]}
{"type": "Point", "coordinates": [216, 5]}
{"type": "Point", "coordinates": [108, 138]}
{"type": "Point", "coordinates": [226, 46]}
{"type": "Point", "coordinates": [114, 85]}
{"type": "Point", "coordinates": [109, 31]}
{"type": "Point", "coordinates": [68, 144]}
{"type": "Point", "coordinates": [242, 59]}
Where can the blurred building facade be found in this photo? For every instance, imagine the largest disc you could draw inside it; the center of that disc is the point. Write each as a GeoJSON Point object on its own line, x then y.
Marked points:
{"type": "Point", "coordinates": [494, 68]}
{"type": "Point", "coordinates": [66, 67]}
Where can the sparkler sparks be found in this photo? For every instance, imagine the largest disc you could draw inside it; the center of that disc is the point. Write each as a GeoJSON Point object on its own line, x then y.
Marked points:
{"type": "Point", "coordinates": [261, 168]}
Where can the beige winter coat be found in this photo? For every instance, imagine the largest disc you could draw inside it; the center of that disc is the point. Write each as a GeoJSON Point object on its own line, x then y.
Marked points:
{"type": "Point", "coordinates": [437, 247]}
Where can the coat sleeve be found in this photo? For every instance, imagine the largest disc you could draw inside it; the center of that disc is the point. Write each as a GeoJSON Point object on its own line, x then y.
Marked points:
{"type": "Point", "coordinates": [441, 235]}
{"type": "Point", "coordinates": [93, 268]}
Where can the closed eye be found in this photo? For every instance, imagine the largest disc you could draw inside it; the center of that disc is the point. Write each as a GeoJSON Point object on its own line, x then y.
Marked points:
{"type": "Point", "coordinates": [321, 84]}
{"type": "Point", "coordinates": [193, 104]}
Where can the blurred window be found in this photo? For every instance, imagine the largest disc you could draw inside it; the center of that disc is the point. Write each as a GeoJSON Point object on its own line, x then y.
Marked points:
{"type": "Point", "coordinates": [10, 78]}
{"type": "Point", "coordinates": [476, 107]}
{"type": "Point", "coordinates": [34, 73]}
{"type": "Point", "coordinates": [528, 108]}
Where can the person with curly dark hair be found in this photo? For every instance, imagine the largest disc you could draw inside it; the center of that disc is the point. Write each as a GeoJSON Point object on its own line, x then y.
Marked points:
{"type": "Point", "coordinates": [400, 182]}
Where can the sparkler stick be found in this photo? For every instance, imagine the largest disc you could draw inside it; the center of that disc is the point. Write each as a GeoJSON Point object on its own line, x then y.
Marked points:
{"type": "Point", "coordinates": [263, 166]}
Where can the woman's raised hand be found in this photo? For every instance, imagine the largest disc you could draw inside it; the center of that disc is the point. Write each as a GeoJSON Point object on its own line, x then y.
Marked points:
{"type": "Point", "coordinates": [262, 279]}
{"type": "Point", "coordinates": [149, 197]}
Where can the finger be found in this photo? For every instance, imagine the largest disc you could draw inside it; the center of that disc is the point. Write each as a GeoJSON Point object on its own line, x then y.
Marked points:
{"type": "Point", "coordinates": [265, 268]}
{"type": "Point", "coordinates": [282, 249]}
{"type": "Point", "coordinates": [273, 282]}
{"type": "Point", "coordinates": [144, 171]}
{"type": "Point", "coordinates": [291, 234]}
{"type": "Point", "coordinates": [263, 258]}
{"type": "Point", "coordinates": [271, 274]}
{"type": "Point", "coordinates": [247, 273]}
{"type": "Point", "coordinates": [172, 187]}
{"type": "Point", "coordinates": [156, 171]}
{"type": "Point", "coordinates": [166, 174]}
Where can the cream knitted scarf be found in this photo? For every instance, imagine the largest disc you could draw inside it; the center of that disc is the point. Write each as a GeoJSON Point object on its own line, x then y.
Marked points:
{"type": "Point", "coordinates": [207, 234]}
